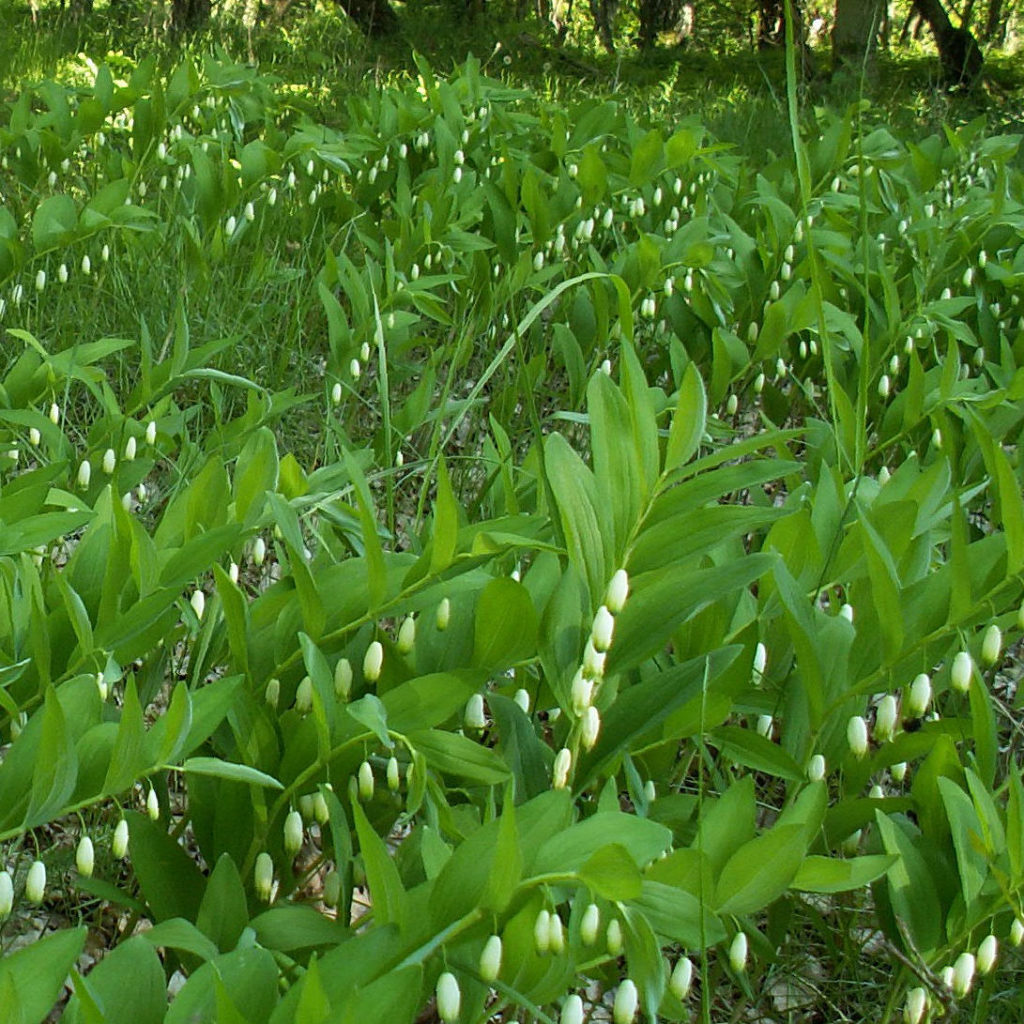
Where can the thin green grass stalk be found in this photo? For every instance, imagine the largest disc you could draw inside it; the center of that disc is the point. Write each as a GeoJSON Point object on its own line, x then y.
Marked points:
{"type": "Point", "coordinates": [803, 173]}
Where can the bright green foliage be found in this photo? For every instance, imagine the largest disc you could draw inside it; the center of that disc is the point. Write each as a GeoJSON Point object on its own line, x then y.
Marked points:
{"type": "Point", "coordinates": [550, 345]}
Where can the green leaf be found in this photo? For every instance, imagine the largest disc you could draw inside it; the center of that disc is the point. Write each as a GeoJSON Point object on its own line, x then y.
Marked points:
{"type": "Point", "coordinates": [966, 833]}
{"type": "Point", "coordinates": [386, 890]}
{"type": "Point", "coordinates": [223, 913]}
{"type": "Point", "coordinates": [126, 984]}
{"type": "Point", "coordinates": [832, 874]}
{"type": "Point", "coordinates": [32, 978]}
{"type": "Point", "coordinates": [129, 757]}
{"type": "Point", "coordinates": [688, 420]}
{"type": "Point", "coordinates": [168, 877]}
{"type": "Point", "coordinates": [229, 770]}
{"type": "Point", "coordinates": [459, 756]}
{"type": "Point", "coordinates": [752, 750]}
{"type": "Point", "coordinates": [177, 933]}
{"type": "Point", "coordinates": [505, 628]}
{"type": "Point", "coordinates": [56, 765]}
{"type": "Point", "coordinates": [578, 509]}
{"type": "Point", "coordinates": [612, 873]}
{"type": "Point", "coordinates": [445, 533]}
{"type": "Point", "coordinates": [250, 975]}
{"type": "Point", "coordinates": [912, 889]}
{"type": "Point", "coordinates": [567, 852]}
{"type": "Point", "coordinates": [255, 474]}
{"type": "Point", "coordinates": [760, 871]}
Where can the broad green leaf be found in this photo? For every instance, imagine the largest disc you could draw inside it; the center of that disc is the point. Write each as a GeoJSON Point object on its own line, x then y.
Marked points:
{"type": "Point", "coordinates": [505, 628]}
{"type": "Point", "coordinates": [223, 913]}
{"type": "Point", "coordinates": [219, 769]}
{"type": "Point", "coordinates": [833, 874]}
{"type": "Point", "coordinates": [386, 890]}
{"type": "Point", "coordinates": [34, 975]}
{"type": "Point", "coordinates": [760, 870]}
{"type": "Point", "coordinates": [688, 420]}
{"type": "Point", "coordinates": [612, 873]}
{"type": "Point", "coordinates": [460, 757]}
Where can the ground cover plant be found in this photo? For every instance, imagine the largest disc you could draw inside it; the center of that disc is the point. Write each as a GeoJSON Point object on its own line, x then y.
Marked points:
{"type": "Point", "coordinates": [486, 558]}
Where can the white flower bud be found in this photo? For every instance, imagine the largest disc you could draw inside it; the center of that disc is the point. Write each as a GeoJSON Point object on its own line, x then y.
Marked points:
{"type": "Point", "coordinates": [590, 728]}
{"type": "Point", "coordinates": [151, 432]}
{"type": "Point", "coordinates": [62, 273]}
{"type": "Point", "coordinates": [572, 1010]}
{"type": "Point", "coordinates": [332, 889]}
{"type": "Point", "coordinates": [988, 951]}
{"type": "Point", "coordinates": [394, 778]}
{"type": "Point", "coordinates": [304, 696]}
{"type": "Point", "coordinates": [857, 736]}
{"type": "Point", "coordinates": [406, 635]}
{"type": "Point", "coordinates": [581, 693]}
{"type": "Point", "coordinates": [84, 474]}
{"type": "Point", "coordinates": [542, 932]}
{"type": "Point", "coordinates": [373, 661]}
{"type": "Point", "coordinates": [732, 403]}
{"type": "Point", "coordinates": [474, 717]}
{"type": "Point", "coordinates": [1017, 931]}
{"type": "Point", "coordinates": [886, 717]}
{"type": "Point", "coordinates": [321, 812]}
{"type": "Point", "coordinates": [613, 937]}
{"type": "Point", "coordinates": [6, 894]}
{"type": "Point", "coordinates": [738, 953]}
{"type": "Point", "coordinates": [522, 698]}
{"type": "Point", "coordinates": [991, 646]}
{"type": "Point", "coordinates": [86, 264]}
{"type": "Point", "coordinates": [233, 572]}
{"type": "Point", "coordinates": [449, 998]}
{"type": "Point", "coordinates": [54, 413]}
{"type": "Point", "coordinates": [85, 857]}
{"type": "Point", "coordinates": [590, 923]}
{"type": "Point", "coordinates": [961, 672]}
{"type": "Point", "coordinates": [490, 959]}
{"type": "Point", "coordinates": [898, 771]}
{"type": "Point", "coordinates": [593, 661]}
{"type": "Point", "coordinates": [109, 461]}
{"type": "Point", "coordinates": [915, 1006]}
{"type": "Point", "coordinates": [272, 694]}
{"type": "Point", "coordinates": [816, 768]}
{"type": "Point", "coordinates": [560, 771]}
{"type": "Point", "coordinates": [920, 696]}
{"type": "Point", "coordinates": [681, 979]}
{"type": "Point", "coordinates": [365, 782]}
{"type": "Point", "coordinates": [626, 1002]}
{"type": "Point", "coordinates": [963, 974]}
{"type": "Point", "coordinates": [602, 630]}
{"type": "Point", "coordinates": [130, 447]}
{"type": "Point", "coordinates": [618, 591]}
{"type": "Point", "coordinates": [264, 876]}
{"type": "Point", "coordinates": [759, 384]}
{"type": "Point", "coordinates": [764, 725]}
{"type": "Point", "coordinates": [40, 280]}
{"type": "Point", "coordinates": [152, 805]}
{"type": "Point", "coordinates": [292, 833]}
{"type": "Point", "coordinates": [35, 883]}
{"type": "Point", "coordinates": [343, 679]}
{"type": "Point", "coordinates": [119, 844]}
{"type": "Point", "coordinates": [946, 977]}
{"type": "Point", "coordinates": [884, 385]}
{"type": "Point", "coordinates": [259, 551]}
{"type": "Point", "coordinates": [556, 934]}
{"type": "Point", "coordinates": [198, 602]}
{"type": "Point", "coordinates": [444, 613]}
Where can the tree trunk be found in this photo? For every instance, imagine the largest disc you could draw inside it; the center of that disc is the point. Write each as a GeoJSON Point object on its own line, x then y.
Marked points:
{"type": "Point", "coordinates": [771, 24]}
{"type": "Point", "coordinates": [995, 25]}
{"type": "Point", "coordinates": [855, 35]}
{"type": "Point", "coordinates": [188, 15]}
{"type": "Point", "coordinates": [376, 18]}
{"type": "Point", "coordinates": [959, 54]}
{"type": "Point", "coordinates": [604, 17]}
